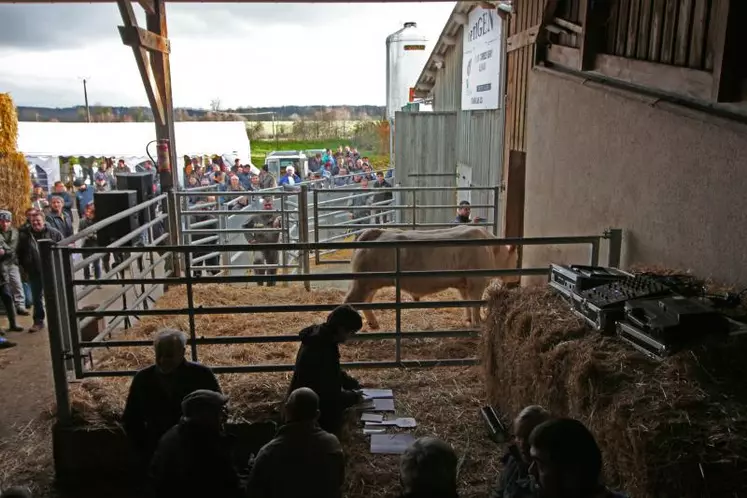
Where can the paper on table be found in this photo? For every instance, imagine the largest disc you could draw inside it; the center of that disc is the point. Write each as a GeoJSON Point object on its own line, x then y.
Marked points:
{"type": "Point", "coordinates": [377, 393]}
{"type": "Point", "coordinates": [383, 405]}
{"type": "Point", "coordinates": [402, 422]}
{"type": "Point", "coordinates": [371, 417]}
{"type": "Point", "coordinates": [390, 444]}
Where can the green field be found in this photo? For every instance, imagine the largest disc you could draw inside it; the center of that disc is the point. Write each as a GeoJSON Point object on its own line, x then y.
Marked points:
{"type": "Point", "coordinates": [260, 149]}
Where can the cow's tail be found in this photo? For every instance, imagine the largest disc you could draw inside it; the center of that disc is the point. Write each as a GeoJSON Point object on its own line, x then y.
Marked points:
{"type": "Point", "coordinates": [369, 235]}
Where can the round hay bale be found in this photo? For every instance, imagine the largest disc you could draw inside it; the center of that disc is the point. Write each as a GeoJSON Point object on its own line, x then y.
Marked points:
{"type": "Point", "coordinates": [675, 428]}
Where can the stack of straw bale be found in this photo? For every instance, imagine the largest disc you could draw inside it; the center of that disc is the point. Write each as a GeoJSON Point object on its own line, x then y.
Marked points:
{"type": "Point", "coordinates": [672, 428]}
{"type": "Point", "coordinates": [15, 180]}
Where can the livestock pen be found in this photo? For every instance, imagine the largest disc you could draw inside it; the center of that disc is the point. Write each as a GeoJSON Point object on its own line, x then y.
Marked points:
{"type": "Point", "coordinates": [248, 335]}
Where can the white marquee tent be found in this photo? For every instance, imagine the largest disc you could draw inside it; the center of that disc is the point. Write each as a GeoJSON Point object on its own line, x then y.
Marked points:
{"type": "Point", "coordinates": [44, 143]}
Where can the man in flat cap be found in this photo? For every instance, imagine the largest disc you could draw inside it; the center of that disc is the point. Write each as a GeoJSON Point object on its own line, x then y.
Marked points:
{"type": "Point", "coordinates": [318, 366]}
{"type": "Point", "coordinates": [193, 458]}
{"type": "Point", "coordinates": [300, 449]}
{"type": "Point", "coordinates": [8, 260]}
{"type": "Point", "coordinates": [154, 404]}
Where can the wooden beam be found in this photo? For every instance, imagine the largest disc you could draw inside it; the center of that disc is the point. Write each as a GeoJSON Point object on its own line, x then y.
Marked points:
{"type": "Point", "coordinates": [543, 40]}
{"type": "Point", "coordinates": [134, 36]}
{"type": "Point", "coordinates": [568, 25]}
{"type": "Point", "coordinates": [522, 39]}
{"type": "Point", "coordinates": [723, 50]}
{"type": "Point", "coordinates": [143, 64]}
{"type": "Point", "coordinates": [564, 56]}
{"type": "Point", "coordinates": [515, 192]}
{"type": "Point", "coordinates": [594, 16]}
{"type": "Point", "coordinates": [148, 6]}
{"type": "Point", "coordinates": [161, 66]}
{"type": "Point", "coordinates": [664, 78]}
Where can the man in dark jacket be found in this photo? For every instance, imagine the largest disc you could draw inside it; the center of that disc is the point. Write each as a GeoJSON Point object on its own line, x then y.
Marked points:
{"type": "Point", "coordinates": [30, 259]}
{"type": "Point", "coordinates": [7, 261]}
{"type": "Point", "coordinates": [566, 461]}
{"type": "Point", "coordinates": [83, 197]}
{"type": "Point", "coordinates": [154, 404]}
{"type": "Point", "coordinates": [381, 197]}
{"type": "Point", "coordinates": [193, 459]}
{"type": "Point", "coordinates": [60, 191]}
{"type": "Point", "coordinates": [318, 366]}
{"type": "Point", "coordinates": [58, 218]}
{"type": "Point", "coordinates": [513, 481]}
{"type": "Point", "coordinates": [428, 469]}
{"type": "Point", "coordinates": [264, 221]}
{"type": "Point", "coordinates": [300, 449]}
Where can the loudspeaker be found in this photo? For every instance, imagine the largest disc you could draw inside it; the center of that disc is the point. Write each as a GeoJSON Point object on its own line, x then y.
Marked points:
{"type": "Point", "coordinates": [114, 202]}
{"type": "Point", "coordinates": [141, 182]}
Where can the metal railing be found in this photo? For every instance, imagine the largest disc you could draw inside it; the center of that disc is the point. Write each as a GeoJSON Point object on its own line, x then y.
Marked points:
{"type": "Point", "coordinates": [67, 318]}
{"type": "Point", "coordinates": [384, 212]}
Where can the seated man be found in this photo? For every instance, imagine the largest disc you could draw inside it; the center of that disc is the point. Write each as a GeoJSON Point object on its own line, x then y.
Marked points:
{"type": "Point", "coordinates": [428, 469]}
{"type": "Point", "coordinates": [300, 449]}
{"type": "Point", "coordinates": [193, 459]}
{"type": "Point", "coordinates": [566, 461]}
{"type": "Point", "coordinates": [318, 366]}
{"type": "Point", "coordinates": [154, 404]}
{"type": "Point", "coordinates": [513, 481]}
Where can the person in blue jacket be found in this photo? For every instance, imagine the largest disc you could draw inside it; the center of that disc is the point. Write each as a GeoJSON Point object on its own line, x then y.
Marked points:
{"type": "Point", "coordinates": [290, 177]}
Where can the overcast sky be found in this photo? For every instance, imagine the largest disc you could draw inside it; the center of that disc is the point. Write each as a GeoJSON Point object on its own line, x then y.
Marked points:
{"type": "Point", "coordinates": [243, 54]}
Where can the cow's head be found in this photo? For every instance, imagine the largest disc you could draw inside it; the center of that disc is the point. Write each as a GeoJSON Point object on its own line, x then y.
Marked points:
{"type": "Point", "coordinates": [253, 237]}
{"type": "Point", "coordinates": [507, 257]}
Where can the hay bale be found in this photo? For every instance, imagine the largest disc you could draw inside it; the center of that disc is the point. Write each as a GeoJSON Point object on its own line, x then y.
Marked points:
{"type": "Point", "coordinates": [675, 428]}
{"type": "Point", "coordinates": [14, 171]}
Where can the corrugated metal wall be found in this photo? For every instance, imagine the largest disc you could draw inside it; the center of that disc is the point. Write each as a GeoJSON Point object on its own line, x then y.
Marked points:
{"type": "Point", "coordinates": [426, 157]}
{"type": "Point", "coordinates": [447, 91]}
{"type": "Point", "coordinates": [479, 133]}
{"type": "Point", "coordinates": [479, 147]}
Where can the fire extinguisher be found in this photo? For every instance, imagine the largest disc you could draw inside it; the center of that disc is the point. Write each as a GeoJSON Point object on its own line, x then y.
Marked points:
{"type": "Point", "coordinates": [164, 160]}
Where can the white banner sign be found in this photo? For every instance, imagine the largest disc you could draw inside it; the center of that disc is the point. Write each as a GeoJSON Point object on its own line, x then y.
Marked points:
{"type": "Point", "coordinates": [481, 65]}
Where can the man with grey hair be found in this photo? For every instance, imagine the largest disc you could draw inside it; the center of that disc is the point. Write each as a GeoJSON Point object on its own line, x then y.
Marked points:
{"type": "Point", "coordinates": [300, 449]}
{"type": "Point", "coordinates": [154, 403]}
{"type": "Point", "coordinates": [514, 481]}
{"type": "Point", "coordinates": [428, 469]}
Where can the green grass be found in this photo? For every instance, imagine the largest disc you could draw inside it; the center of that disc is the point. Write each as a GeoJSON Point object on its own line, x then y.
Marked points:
{"type": "Point", "coordinates": [260, 149]}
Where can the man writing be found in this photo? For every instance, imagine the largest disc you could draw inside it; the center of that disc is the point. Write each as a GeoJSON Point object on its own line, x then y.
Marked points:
{"type": "Point", "coordinates": [318, 366]}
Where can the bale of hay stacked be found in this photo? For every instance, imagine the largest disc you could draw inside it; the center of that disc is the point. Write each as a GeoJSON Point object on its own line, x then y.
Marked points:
{"type": "Point", "coordinates": [675, 428]}
{"type": "Point", "coordinates": [14, 172]}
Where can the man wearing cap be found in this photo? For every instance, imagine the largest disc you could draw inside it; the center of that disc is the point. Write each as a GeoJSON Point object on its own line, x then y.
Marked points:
{"type": "Point", "coordinates": [266, 180]}
{"type": "Point", "coordinates": [301, 449]}
{"type": "Point", "coordinates": [193, 458]}
{"type": "Point", "coordinates": [318, 366]}
{"type": "Point", "coordinates": [8, 247]}
{"type": "Point", "coordinates": [9, 235]}
{"type": "Point", "coordinates": [463, 213]}
{"type": "Point", "coordinates": [156, 393]}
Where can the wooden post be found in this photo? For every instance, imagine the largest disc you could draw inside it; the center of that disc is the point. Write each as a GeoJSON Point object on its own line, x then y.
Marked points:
{"type": "Point", "coordinates": [548, 15]}
{"type": "Point", "coordinates": [723, 49]}
{"type": "Point", "coordinates": [515, 192]}
{"type": "Point", "coordinates": [593, 15]}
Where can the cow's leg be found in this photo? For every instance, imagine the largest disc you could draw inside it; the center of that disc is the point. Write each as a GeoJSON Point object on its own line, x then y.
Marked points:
{"type": "Point", "coordinates": [474, 293]}
{"type": "Point", "coordinates": [360, 293]}
{"type": "Point", "coordinates": [464, 294]}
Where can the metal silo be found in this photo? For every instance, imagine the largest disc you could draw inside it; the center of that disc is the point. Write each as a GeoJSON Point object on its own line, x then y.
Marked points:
{"type": "Point", "coordinates": [405, 58]}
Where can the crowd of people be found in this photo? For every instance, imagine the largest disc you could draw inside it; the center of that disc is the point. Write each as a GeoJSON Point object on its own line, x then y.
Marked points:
{"type": "Point", "coordinates": [175, 418]}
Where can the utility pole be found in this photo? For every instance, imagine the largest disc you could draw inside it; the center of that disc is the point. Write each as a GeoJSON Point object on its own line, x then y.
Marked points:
{"type": "Point", "coordinates": [85, 96]}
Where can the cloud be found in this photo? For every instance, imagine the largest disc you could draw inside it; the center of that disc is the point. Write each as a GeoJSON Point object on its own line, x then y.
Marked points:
{"type": "Point", "coordinates": [244, 54]}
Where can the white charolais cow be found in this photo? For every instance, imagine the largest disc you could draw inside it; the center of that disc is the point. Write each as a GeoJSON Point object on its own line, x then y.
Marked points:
{"type": "Point", "coordinates": [424, 258]}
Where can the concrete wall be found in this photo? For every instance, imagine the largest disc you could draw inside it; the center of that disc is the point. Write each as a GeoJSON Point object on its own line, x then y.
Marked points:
{"type": "Point", "coordinates": [673, 180]}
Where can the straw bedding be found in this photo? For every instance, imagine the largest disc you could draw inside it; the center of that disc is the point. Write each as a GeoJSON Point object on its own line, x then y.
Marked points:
{"type": "Point", "coordinates": [444, 401]}
{"type": "Point", "coordinates": [676, 428]}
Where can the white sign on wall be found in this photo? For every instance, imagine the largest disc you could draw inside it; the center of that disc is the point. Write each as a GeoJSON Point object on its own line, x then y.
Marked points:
{"type": "Point", "coordinates": [481, 63]}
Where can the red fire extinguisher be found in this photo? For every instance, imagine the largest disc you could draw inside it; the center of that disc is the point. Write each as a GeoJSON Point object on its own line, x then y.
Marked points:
{"type": "Point", "coordinates": [164, 160]}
